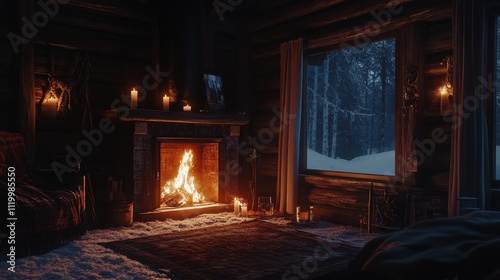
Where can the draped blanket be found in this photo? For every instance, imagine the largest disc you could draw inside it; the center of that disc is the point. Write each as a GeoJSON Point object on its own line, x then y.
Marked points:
{"type": "Point", "coordinates": [46, 215]}
{"type": "Point", "coordinates": [466, 247]}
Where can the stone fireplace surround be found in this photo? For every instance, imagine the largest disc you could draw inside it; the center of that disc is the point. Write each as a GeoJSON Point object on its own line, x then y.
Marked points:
{"type": "Point", "coordinates": [150, 127]}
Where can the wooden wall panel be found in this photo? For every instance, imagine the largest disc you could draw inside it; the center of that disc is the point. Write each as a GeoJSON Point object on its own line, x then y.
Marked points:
{"type": "Point", "coordinates": [118, 40]}
{"type": "Point", "coordinates": [434, 171]}
{"type": "Point", "coordinates": [8, 77]}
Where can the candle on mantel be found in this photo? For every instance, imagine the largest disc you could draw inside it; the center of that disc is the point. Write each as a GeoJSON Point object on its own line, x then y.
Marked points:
{"type": "Point", "coordinates": [133, 99]}
{"type": "Point", "coordinates": [166, 103]}
{"type": "Point", "coordinates": [51, 107]}
{"type": "Point", "coordinates": [187, 108]}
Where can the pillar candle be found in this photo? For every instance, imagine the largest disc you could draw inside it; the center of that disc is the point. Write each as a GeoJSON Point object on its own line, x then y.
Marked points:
{"type": "Point", "coordinates": [166, 103]}
{"type": "Point", "coordinates": [236, 206]}
{"type": "Point", "coordinates": [51, 107]}
{"type": "Point", "coordinates": [244, 211]}
{"type": "Point", "coordinates": [187, 108]}
{"type": "Point", "coordinates": [445, 100]}
{"type": "Point", "coordinates": [304, 216]}
{"type": "Point", "coordinates": [133, 99]}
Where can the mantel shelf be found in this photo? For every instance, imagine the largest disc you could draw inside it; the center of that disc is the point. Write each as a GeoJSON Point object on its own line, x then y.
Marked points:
{"type": "Point", "coordinates": [143, 115]}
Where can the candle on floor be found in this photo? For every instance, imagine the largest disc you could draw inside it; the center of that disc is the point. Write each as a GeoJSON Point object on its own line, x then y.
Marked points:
{"type": "Point", "coordinates": [51, 107]}
{"type": "Point", "coordinates": [244, 210]}
{"type": "Point", "coordinates": [187, 108]}
{"type": "Point", "coordinates": [133, 99]}
{"type": "Point", "coordinates": [304, 216]}
{"type": "Point", "coordinates": [166, 103]}
{"type": "Point", "coordinates": [236, 206]}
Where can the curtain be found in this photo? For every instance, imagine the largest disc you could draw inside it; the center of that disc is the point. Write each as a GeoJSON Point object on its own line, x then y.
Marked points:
{"type": "Point", "coordinates": [290, 104]}
{"type": "Point", "coordinates": [469, 162]}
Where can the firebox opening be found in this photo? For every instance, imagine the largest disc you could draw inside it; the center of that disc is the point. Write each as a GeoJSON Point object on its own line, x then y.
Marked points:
{"type": "Point", "coordinates": [188, 172]}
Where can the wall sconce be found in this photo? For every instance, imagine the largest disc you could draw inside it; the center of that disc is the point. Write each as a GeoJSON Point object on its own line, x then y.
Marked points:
{"type": "Point", "coordinates": [446, 91]}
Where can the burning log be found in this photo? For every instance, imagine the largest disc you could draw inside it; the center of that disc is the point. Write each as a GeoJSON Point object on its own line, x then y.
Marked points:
{"type": "Point", "coordinates": [174, 199]}
{"type": "Point", "coordinates": [182, 190]}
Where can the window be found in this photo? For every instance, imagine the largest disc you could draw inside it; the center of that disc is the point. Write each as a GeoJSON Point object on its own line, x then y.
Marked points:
{"type": "Point", "coordinates": [349, 112]}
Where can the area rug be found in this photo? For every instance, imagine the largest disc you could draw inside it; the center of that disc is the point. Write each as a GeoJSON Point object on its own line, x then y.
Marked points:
{"type": "Point", "coordinates": [249, 250]}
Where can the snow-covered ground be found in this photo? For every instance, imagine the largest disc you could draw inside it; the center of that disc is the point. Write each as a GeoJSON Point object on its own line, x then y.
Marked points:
{"type": "Point", "coordinates": [382, 163]}
{"type": "Point", "coordinates": [86, 259]}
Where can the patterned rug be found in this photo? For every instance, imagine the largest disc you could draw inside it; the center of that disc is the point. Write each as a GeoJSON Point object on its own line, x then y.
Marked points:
{"type": "Point", "coordinates": [249, 250]}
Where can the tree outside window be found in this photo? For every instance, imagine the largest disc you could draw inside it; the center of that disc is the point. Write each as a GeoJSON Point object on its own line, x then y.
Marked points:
{"type": "Point", "coordinates": [350, 110]}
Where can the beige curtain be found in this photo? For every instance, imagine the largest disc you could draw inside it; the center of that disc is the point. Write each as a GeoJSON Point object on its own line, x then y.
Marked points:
{"type": "Point", "coordinates": [290, 105]}
{"type": "Point", "coordinates": [469, 164]}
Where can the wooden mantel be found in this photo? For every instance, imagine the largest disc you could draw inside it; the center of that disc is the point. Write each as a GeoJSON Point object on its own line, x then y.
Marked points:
{"type": "Point", "coordinates": [143, 115]}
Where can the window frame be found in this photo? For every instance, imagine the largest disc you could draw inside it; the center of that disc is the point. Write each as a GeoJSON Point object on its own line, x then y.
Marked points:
{"type": "Point", "coordinates": [398, 163]}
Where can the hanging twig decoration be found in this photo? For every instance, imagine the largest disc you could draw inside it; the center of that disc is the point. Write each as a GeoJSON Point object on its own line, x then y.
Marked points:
{"type": "Point", "coordinates": [62, 91]}
{"type": "Point", "coordinates": [73, 94]}
{"type": "Point", "coordinates": [410, 94]}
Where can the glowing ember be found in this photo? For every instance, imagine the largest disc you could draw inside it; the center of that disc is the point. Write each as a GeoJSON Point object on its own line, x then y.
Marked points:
{"type": "Point", "coordinates": [182, 191]}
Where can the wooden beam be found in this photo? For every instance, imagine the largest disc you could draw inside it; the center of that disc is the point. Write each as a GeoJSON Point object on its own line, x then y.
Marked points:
{"type": "Point", "coordinates": [347, 184]}
{"type": "Point", "coordinates": [352, 11]}
{"type": "Point", "coordinates": [424, 11]}
{"type": "Point", "coordinates": [290, 12]}
{"type": "Point", "coordinates": [125, 9]}
{"type": "Point", "coordinates": [142, 115]}
{"type": "Point", "coordinates": [93, 42]}
{"type": "Point", "coordinates": [85, 19]}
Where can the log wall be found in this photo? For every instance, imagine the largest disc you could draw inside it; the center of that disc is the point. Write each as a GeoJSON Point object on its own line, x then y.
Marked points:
{"type": "Point", "coordinates": [8, 77]}
{"type": "Point", "coordinates": [121, 39]}
{"type": "Point", "coordinates": [117, 39]}
{"type": "Point", "coordinates": [324, 24]}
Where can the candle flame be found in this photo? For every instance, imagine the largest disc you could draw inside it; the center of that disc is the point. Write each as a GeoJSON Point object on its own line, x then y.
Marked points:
{"type": "Point", "coordinates": [443, 90]}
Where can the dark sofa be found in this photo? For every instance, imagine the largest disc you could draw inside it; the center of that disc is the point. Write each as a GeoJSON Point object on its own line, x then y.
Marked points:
{"type": "Point", "coordinates": [47, 213]}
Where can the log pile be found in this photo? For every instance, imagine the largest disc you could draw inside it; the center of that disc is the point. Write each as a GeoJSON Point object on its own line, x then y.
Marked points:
{"type": "Point", "coordinates": [177, 198]}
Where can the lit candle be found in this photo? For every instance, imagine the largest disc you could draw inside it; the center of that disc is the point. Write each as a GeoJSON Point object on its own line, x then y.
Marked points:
{"type": "Point", "coordinates": [236, 206]}
{"type": "Point", "coordinates": [304, 216]}
{"type": "Point", "coordinates": [166, 103]}
{"type": "Point", "coordinates": [51, 107]}
{"type": "Point", "coordinates": [444, 99]}
{"type": "Point", "coordinates": [133, 99]}
{"type": "Point", "coordinates": [187, 108]}
{"type": "Point", "coordinates": [244, 211]}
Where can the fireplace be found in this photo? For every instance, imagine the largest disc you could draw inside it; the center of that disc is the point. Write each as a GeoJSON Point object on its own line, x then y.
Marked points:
{"type": "Point", "coordinates": [188, 170]}
{"type": "Point", "coordinates": [157, 142]}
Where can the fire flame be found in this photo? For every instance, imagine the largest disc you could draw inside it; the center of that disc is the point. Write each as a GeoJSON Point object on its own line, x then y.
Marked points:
{"type": "Point", "coordinates": [183, 184]}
